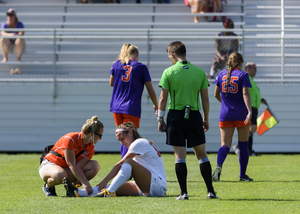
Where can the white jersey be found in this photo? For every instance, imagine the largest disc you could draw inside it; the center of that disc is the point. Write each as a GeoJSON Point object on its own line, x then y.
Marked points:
{"type": "Point", "coordinates": [149, 157]}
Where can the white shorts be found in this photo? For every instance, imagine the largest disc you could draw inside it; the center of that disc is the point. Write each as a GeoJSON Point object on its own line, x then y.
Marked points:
{"type": "Point", "coordinates": [44, 166]}
{"type": "Point", "coordinates": [157, 187]}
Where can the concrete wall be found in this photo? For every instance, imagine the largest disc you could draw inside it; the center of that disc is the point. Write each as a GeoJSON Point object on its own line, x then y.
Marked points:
{"type": "Point", "coordinates": [30, 118]}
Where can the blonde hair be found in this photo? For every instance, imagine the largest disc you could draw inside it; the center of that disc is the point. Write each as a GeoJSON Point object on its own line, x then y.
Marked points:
{"type": "Point", "coordinates": [92, 125]}
{"type": "Point", "coordinates": [130, 126]}
{"type": "Point", "coordinates": [126, 52]}
{"type": "Point", "coordinates": [233, 61]}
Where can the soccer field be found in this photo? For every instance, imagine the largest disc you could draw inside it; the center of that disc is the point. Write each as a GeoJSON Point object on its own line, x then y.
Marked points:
{"type": "Point", "coordinates": [275, 188]}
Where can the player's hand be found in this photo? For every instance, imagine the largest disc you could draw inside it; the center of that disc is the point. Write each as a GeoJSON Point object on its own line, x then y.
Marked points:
{"type": "Point", "coordinates": [248, 118]}
{"type": "Point", "coordinates": [155, 109]}
{"type": "Point", "coordinates": [102, 185]}
{"type": "Point", "coordinates": [205, 125]}
{"type": "Point", "coordinates": [88, 188]}
{"type": "Point", "coordinates": [162, 127]}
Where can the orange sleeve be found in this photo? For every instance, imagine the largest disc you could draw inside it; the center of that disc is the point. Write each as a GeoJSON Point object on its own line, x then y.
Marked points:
{"type": "Point", "coordinates": [68, 143]}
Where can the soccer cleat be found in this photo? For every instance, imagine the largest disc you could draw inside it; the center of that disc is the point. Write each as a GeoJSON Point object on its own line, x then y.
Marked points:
{"type": "Point", "coordinates": [49, 191]}
{"type": "Point", "coordinates": [211, 195]}
{"type": "Point", "coordinates": [77, 186]}
{"type": "Point", "coordinates": [183, 197]}
{"type": "Point", "coordinates": [217, 173]}
{"type": "Point", "coordinates": [105, 193]}
{"type": "Point", "coordinates": [246, 179]}
{"type": "Point", "coordinates": [236, 149]}
{"type": "Point", "coordinates": [72, 191]}
{"type": "Point", "coordinates": [253, 153]}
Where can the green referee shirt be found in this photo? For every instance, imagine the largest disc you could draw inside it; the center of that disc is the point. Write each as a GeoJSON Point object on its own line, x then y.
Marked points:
{"type": "Point", "coordinates": [254, 94]}
{"type": "Point", "coordinates": [184, 82]}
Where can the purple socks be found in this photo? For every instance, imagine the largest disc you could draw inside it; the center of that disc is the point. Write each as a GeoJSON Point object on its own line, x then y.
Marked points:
{"type": "Point", "coordinates": [222, 154]}
{"type": "Point", "coordinates": [243, 157]}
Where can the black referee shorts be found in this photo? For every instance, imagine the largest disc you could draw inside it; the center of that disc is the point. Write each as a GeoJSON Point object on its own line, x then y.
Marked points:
{"type": "Point", "coordinates": [254, 116]}
{"type": "Point", "coordinates": [185, 132]}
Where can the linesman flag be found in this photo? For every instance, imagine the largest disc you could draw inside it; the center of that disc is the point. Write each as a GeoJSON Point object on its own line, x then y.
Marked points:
{"type": "Point", "coordinates": [266, 121]}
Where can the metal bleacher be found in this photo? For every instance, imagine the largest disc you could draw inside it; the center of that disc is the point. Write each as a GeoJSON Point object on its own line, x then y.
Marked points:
{"type": "Point", "coordinates": [71, 18]}
{"type": "Point", "coordinates": [88, 40]}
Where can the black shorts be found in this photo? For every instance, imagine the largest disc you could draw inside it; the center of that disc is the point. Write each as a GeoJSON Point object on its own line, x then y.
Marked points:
{"type": "Point", "coordinates": [254, 116]}
{"type": "Point", "coordinates": [185, 132]}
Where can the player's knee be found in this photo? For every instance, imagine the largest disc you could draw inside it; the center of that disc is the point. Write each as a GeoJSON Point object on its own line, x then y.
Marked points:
{"type": "Point", "coordinates": [59, 176]}
{"type": "Point", "coordinates": [94, 165]}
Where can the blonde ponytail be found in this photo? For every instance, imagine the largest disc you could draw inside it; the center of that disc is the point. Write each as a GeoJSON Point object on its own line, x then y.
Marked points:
{"type": "Point", "coordinates": [233, 61]}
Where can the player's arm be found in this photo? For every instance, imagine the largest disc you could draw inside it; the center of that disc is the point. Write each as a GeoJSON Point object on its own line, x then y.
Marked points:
{"type": "Point", "coordinates": [82, 162]}
{"type": "Point", "coordinates": [77, 172]}
{"type": "Point", "coordinates": [247, 101]}
{"type": "Point", "coordinates": [205, 108]}
{"type": "Point", "coordinates": [111, 80]}
{"type": "Point", "coordinates": [217, 94]}
{"type": "Point", "coordinates": [163, 98]}
{"type": "Point", "coordinates": [152, 94]}
{"type": "Point", "coordinates": [115, 170]}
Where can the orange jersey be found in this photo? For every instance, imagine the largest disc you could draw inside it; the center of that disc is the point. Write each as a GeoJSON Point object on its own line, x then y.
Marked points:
{"type": "Point", "coordinates": [72, 141]}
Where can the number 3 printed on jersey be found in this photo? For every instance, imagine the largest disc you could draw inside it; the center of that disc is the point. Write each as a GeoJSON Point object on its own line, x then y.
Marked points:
{"type": "Point", "coordinates": [233, 87]}
{"type": "Point", "coordinates": [127, 69]}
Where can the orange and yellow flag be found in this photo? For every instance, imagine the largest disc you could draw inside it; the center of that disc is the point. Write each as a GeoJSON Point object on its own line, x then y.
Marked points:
{"type": "Point", "coordinates": [266, 121]}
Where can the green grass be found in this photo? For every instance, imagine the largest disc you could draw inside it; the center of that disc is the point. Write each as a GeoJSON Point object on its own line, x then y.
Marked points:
{"type": "Point", "coordinates": [275, 188]}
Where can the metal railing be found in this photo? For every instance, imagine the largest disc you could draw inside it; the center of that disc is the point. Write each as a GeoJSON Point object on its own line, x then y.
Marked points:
{"type": "Point", "coordinates": [86, 55]}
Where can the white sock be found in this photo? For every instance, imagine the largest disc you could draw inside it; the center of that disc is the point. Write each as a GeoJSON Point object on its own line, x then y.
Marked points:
{"type": "Point", "coordinates": [83, 193]}
{"type": "Point", "coordinates": [122, 176]}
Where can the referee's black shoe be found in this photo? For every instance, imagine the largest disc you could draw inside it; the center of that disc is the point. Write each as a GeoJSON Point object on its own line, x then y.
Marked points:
{"type": "Point", "coordinates": [211, 195]}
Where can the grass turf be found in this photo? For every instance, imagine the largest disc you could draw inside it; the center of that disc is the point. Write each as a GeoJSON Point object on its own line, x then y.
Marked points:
{"type": "Point", "coordinates": [275, 188]}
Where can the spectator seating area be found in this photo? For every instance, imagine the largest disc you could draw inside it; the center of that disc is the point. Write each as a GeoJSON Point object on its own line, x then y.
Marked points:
{"type": "Point", "coordinates": [36, 115]}
{"type": "Point", "coordinates": [72, 54]}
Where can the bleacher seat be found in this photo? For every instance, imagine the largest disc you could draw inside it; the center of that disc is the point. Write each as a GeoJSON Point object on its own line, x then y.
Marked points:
{"type": "Point", "coordinates": [79, 59]}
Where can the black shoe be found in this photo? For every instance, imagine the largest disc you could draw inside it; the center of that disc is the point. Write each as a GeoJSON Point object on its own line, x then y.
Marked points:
{"type": "Point", "coordinates": [69, 188]}
{"type": "Point", "coordinates": [253, 153]}
{"type": "Point", "coordinates": [50, 191]}
{"type": "Point", "coordinates": [77, 186]}
{"type": "Point", "coordinates": [183, 197]}
{"type": "Point", "coordinates": [211, 195]}
{"type": "Point", "coordinates": [247, 178]}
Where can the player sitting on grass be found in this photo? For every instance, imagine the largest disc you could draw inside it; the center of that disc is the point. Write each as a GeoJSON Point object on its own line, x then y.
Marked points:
{"type": "Point", "coordinates": [142, 161]}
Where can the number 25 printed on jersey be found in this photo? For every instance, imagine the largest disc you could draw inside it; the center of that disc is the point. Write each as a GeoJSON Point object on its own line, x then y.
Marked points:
{"type": "Point", "coordinates": [233, 87]}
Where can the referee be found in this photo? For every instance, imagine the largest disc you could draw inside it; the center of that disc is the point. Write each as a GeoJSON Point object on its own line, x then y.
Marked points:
{"type": "Point", "coordinates": [185, 127]}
